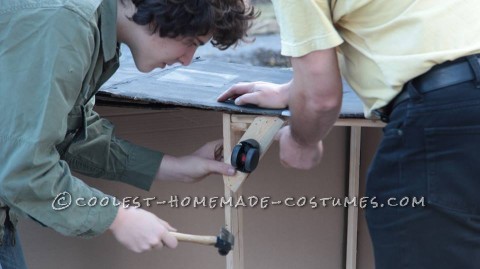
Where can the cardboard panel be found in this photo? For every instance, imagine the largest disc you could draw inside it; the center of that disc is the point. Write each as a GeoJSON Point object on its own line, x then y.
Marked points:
{"type": "Point", "coordinates": [275, 237]}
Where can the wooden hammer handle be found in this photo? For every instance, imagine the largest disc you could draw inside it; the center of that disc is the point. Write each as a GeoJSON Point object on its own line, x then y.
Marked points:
{"type": "Point", "coordinates": [199, 239]}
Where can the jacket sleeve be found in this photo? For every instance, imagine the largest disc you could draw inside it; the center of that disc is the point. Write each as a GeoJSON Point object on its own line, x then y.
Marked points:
{"type": "Point", "coordinates": [102, 155]}
{"type": "Point", "coordinates": [44, 57]}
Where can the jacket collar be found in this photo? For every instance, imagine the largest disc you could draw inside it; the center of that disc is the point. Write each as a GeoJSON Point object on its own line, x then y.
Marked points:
{"type": "Point", "coordinates": [108, 28]}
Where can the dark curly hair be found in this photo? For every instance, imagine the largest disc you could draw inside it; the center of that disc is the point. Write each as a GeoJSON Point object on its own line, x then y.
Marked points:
{"type": "Point", "coordinates": [227, 20]}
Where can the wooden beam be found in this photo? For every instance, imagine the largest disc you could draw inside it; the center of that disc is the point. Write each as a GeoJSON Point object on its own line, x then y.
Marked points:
{"type": "Point", "coordinates": [262, 129]}
{"type": "Point", "coordinates": [233, 215]}
{"type": "Point", "coordinates": [353, 193]}
{"type": "Point", "coordinates": [239, 126]}
{"type": "Point", "coordinates": [345, 122]}
{"type": "Point", "coordinates": [359, 123]}
{"type": "Point", "coordinates": [242, 118]}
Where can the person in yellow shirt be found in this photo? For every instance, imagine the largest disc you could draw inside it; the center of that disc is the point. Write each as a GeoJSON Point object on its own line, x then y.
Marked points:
{"type": "Point", "coordinates": [414, 64]}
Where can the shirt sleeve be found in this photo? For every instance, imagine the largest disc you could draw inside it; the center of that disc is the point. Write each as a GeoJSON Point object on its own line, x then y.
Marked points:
{"type": "Point", "coordinates": [305, 26]}
{"type": "Point", "coordinates": [102, 155]}
{"type": "Point", "coordinates": [44, 56]}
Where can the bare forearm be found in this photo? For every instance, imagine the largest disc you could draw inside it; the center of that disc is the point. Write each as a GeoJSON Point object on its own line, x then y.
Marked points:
{"type": "Point", "coordinates": [309, 126]}
{"type": "Point", "coordinates": [316, 96]}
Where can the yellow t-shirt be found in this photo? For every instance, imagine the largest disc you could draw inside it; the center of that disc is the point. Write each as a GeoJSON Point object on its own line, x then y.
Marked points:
{"type": "Point", "coordinates": [383, 43]}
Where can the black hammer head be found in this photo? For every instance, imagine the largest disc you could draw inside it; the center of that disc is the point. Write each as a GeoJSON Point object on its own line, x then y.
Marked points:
{"type": "Point", "coordinates": [225, 242]}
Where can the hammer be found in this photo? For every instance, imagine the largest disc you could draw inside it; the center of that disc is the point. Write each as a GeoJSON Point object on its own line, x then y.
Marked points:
{"type": "Point", "coordinates": [224, 241]}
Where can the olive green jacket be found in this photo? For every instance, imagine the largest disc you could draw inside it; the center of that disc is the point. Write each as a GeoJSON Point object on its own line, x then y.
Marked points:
{"type": "Point", "coordinates": [54, 55]}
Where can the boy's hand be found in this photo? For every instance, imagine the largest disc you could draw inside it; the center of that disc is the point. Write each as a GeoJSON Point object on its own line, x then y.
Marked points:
{"type": "Point", "coordinates": [262, 94]}
{"type": "Point", "coordinates": [194, 167]}
{"type": "Point", "coordinates": [140, 230]}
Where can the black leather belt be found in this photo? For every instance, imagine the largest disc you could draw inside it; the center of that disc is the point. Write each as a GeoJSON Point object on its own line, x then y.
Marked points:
{"type": "Point", "coordinates": [440, 76]}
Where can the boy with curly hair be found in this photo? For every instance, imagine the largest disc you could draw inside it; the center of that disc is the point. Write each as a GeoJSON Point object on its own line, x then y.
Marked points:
{"type": "Point", "coordinates": [54, 56]}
